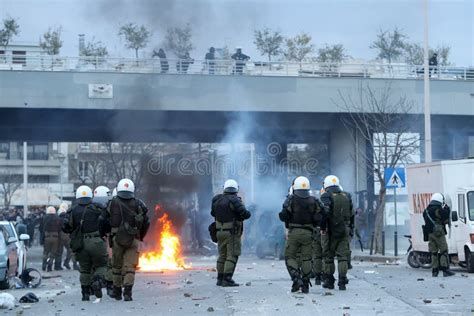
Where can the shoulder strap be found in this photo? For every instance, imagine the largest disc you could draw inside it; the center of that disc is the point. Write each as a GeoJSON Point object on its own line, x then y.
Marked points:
{"type": "Point", "coordinates": [430, 218]}
{"type": "Point", "coordinates": [82, 218]}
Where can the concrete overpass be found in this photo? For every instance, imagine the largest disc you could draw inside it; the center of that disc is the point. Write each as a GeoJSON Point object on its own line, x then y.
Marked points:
{"type": "Point", "coordinates": [142, 107]}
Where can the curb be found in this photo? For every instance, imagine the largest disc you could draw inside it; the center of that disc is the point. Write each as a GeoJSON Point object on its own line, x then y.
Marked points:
{"type": "Point", "coordinates": [379, 259]}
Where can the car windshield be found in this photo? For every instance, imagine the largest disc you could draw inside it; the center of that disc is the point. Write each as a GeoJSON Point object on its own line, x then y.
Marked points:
{"type": "Point", "coordinates": [9, 229]}
{"type": "Point", "coordinates": [3, 244]}
{"type": "Point", "coordinates": [470, 203]}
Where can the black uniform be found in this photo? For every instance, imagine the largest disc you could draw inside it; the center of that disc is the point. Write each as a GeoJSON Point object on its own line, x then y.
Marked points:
{"type": "Point", "coordinates": [301, 214]}
{"type": "Point", "coordinates": [229, 213]}
{"type": "Point", "coordinates": [51, 226]}
{"type": "Point", "coordinates": [92, 257]}
{"type": "Point", "coordinates": [240, 60]}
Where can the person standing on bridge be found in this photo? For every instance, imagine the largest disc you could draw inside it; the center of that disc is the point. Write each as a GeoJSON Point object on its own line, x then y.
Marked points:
{"type": "Point", "coordinates": [85, 225]}
{"type": "Point", "coordinates": [210, 60]}
{"type": "Point", "coordinates": [229, 213]}
{"type": "Point", "coordinates": [129, 225]}
{"type": "Point", "coordinates": [436, 216]}
{"type": "Point", "coordinates": [240, 60]}
{"type": "Point", "coordinates": [301, 214]}
{"type": "Point", "coordinates": [336, 228]}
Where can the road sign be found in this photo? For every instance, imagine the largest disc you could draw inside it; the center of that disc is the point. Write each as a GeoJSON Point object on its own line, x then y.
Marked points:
{"type": "Point", "coordinates": [395, 178]}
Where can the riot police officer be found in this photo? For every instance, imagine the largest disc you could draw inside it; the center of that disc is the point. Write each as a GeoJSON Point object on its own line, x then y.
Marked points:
{"type": "Point", "coordinates": [129, 224]}
{"type": "Point", "coordinates": [85, 226]}
{"type": "Point", "coordinates": [436, 216]}
{"type": "Point", "coordinates": [51, 228]}
{"type": "Point", "coordinates": [101, 199]}
{"type": "Point", "coordinates": [301, 214]}
{"type": "Point", "coordinates": [64, 243]}
{"type": "Point", "coordinates": [229, 213]}
{"type": "Point", "coordinates": [337, 228]}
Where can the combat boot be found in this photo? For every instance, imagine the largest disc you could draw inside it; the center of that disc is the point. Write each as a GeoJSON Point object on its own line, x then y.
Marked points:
{"type": "Point", "coordinates": [227, 280]}
{"type": "Point", "coordinates": [220, 277]}
{"type": "Point", "coordinates": [435, 272]}
{"type": "Point", "coordinates": [50, 266]}
{"type": "Point", "coordinates": [127, 293]}
{"type": "Point", "coordinates": [329, 282]}
{"type": "Point", "coordinates": [43, 267]}
{"type": "Point", "coordinates": [57, 267]}
{"type": "Point", "coordinates": [342, 283]}
{"type": "Point", "coordinates": [85, 289]}
{"type": "Point", "coordinates": [97, 288]}
{"type": "Point", "coordinates": [305, 286]}
{"type": "Point", "coordinates": [67, 265]}
{"type": "Point", "coordinates": [297, 284]}
{"type": "Point", "coordinates": [75, 266]}
{"type": "Point", "coordinates": [110, 289]}
{"type": "Point", "coordinates": [448, 273]}
{"type": "Point", "coordinates": [318, 278]}
{"type": "Point", "coordinates": [117, 293]}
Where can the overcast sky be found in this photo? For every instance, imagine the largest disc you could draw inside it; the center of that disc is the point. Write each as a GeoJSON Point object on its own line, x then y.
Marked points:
{"type": "Point", "coordinates": [353, 23]}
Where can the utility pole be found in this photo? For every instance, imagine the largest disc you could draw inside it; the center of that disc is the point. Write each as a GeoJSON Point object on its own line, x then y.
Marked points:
{"type": "Point", "coordinates": [427, 106]}
{"type": "Point", "coordinates": [25, 179]}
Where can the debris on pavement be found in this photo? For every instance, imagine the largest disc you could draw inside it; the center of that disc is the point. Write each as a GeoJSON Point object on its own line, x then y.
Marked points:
{"type": "Point", "coordinates": [187, 295]}
{"type": "Point", "coordinates": [29, 298]}
{"type": "Point", "coordinates": [248, 284]}
{"type": "Point", "coordinates": [426, 301]}
{"type": "Point", "coordinates": [210, 309]}
{"type": "Point", "coordinates": [420, 279]}
{"type": "Point", "coordinates": [7, 301]}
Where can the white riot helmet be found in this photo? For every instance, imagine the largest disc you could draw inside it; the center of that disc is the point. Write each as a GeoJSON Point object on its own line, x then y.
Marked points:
{"type": "Point", "coordinates": [61, 210]}
{"type": "Point", "coordinates": [330, 181]}
{"type": "Point", "coordinates": [301, 183]}
{"type": "Point", "coordinates": [83, 192]}
{"type": "Point", "coordinates": [102, 195]}
{"type": "Point", "coordinates": [63, 206]}
{"type": "Point", "coordinates": [50, 210]}
{"type": "Point", "coordinates": [438, 197]}
{"type": "Point", "coordinates": [231, 186]}
{"type": "Point", "coordinates": [114, 192]}
{"type": "Point", "coordinates": [125, 189]}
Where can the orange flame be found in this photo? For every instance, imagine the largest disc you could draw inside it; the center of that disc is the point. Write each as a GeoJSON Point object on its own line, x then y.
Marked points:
{"type": "Point", "coordinates": [168, 256]}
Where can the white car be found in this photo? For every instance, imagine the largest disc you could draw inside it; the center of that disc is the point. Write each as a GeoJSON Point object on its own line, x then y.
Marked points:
{"type": "Point", "coordinates": [9, 228]}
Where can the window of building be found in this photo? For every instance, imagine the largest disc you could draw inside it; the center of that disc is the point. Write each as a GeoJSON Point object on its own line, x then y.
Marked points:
{"type": "Point", "coordinates": [4, 147]}
{"type": "Point", "coordinates": [83, 169]}
{"type": "Point", "coordinates": [36, 151]}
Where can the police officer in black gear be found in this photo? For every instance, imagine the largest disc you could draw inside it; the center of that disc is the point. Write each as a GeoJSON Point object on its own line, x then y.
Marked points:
{"type": "Point", "coordinates": [301, 214]}
{"type": "Point", "coordinates": [229, 213]}
{"type": "Point", "coordinates": [92, 255]}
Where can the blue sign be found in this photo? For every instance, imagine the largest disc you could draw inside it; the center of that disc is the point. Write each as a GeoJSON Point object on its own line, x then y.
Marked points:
{"type": "Point", "coordinates": [395, 178]}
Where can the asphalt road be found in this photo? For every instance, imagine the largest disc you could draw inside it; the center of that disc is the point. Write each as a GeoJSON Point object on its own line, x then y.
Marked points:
{"type": "Point", "coordinates": [387, 289]}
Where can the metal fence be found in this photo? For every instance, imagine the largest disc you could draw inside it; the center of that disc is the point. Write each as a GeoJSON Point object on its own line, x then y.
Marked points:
{"type": "Point", "coordinates": [230, 67]}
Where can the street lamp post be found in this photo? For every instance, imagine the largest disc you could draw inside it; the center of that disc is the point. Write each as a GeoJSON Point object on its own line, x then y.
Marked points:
{"type": "Point", "coordinates": [428, 153]}
{"type": "Point", "coordinates": [25, 179]}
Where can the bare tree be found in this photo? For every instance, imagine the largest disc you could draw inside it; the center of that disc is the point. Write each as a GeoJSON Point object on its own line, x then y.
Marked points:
{"type": "Point", "coordinates": [414, 54]}
{"type": "Point", "coordinates": [51, 41]}
{"type": "Point", "coordinates": [178, 40]}
{"type": "Point", "coordinates": [9, 184]}
{"type": "Point", "coordinates": [268, 42]}
{"type": "Point", "coordinates": [10, 29]}
{"type": "Point", "coordinates": [94, 48]}
{"type": "Point", "coordinates": [383, 121]}
{"type": "Point", "coordinates": [390, 45]}
{"type": "Point", "coordinates": [128, 160]}
{"type": "Point", "coordinates": [299, 47]}
{"type": "Point", "coordinates": [136, 37]}
{"type": "Point", "coordinates": [330, 56]}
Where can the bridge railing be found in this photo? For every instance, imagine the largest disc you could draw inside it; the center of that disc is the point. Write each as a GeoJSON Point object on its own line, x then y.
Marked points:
{"type": "Point", "coordinates": [229, 67]}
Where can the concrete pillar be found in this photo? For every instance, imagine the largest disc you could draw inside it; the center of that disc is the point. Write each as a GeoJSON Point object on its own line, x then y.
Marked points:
{"type": "Point", "coordinates": [347, 152]}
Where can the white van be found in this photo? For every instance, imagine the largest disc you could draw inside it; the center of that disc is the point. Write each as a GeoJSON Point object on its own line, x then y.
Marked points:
{"type": "Point", "coordinates": [454, 179]}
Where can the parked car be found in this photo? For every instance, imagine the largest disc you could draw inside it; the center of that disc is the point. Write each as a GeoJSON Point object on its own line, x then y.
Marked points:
{"type": "Point", "coordinates": [20, 240]}
{"type": "Point", "coordinates": [8, 258]}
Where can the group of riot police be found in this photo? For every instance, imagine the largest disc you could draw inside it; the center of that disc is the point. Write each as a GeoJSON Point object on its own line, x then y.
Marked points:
{"type": "Point", "coordinates": [98, 223]}
{"type": "Point", "coordinates": [318, 231]}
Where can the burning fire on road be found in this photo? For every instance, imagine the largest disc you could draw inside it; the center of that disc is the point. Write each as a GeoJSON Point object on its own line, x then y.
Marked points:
{"type": "Point", "coordinates": [166, 254]}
